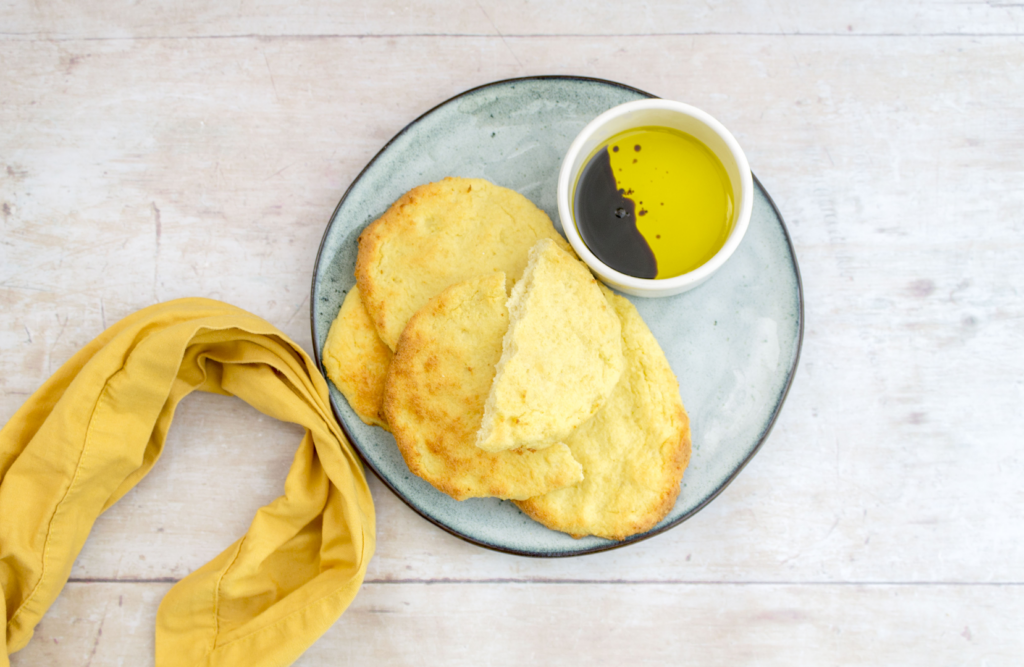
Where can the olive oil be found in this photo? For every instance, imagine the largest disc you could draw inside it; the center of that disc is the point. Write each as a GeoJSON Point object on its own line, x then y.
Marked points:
{"type": "Point", "coordinates": [653, 202]}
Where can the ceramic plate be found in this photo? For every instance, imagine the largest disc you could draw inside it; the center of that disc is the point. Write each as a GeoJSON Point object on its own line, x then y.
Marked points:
{"type": "Point", "coordinates": [733, 342]}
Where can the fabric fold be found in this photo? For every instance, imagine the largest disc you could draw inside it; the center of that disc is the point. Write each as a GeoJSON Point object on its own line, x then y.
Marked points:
{"type": "Point", "coordinates": [98, 425]}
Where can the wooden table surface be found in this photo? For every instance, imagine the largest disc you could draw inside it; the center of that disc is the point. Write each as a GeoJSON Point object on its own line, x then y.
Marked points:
{"type": "Point", "coordinates": [198, 149]}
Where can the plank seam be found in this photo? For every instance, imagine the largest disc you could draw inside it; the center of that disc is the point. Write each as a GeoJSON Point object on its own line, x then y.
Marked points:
{"type": "Point", "coordinates": [42, 38]}
{"type": "Point", "coordinates": [609, 582]}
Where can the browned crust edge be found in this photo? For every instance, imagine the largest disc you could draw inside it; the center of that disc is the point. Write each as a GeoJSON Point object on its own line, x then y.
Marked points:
{"type": "Point", "coordinates": [412, 444]}
{"type": "Point", "coordinates": [370, 242]}
{"type": "Point", "coordinates": [662, 506]}
{"type": "Point", "coordinates": [677, 462]}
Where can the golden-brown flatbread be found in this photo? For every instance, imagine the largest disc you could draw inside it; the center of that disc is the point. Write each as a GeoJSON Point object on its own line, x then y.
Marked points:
{"type": "Point", "coordinates": [561, 356]}
{"type": "Point", "coordinates": [633, 451]}
{"type": "Point", "coordinates": [435, 392]}
{"type": "Point", "coordinates": [440, 234]}
{"type": "Point", "coordinates": [356, 360]}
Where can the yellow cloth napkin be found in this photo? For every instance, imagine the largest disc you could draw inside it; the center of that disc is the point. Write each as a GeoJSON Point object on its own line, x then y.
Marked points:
{"type": "Point", "coordinates": [94, 429]}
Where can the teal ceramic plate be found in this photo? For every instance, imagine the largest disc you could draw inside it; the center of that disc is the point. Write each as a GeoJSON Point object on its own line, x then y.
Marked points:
{"type": "Point", "coordinates": [733, 342]}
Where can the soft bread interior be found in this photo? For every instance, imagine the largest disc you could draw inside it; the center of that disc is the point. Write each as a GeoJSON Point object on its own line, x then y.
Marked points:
{"type": "Point", "coordinates": [561, 355]}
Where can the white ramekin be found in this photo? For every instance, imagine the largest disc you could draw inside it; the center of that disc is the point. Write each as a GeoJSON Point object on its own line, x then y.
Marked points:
{"type": "Point", "coordinates": [660, 113]}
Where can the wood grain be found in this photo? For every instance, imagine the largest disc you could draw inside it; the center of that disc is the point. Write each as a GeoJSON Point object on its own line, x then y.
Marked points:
{"type": "Point", "coordinates": [66, 19]}
{"type": "Point", "coordinates": [148, 153]}
{"type": "Point", "coordinates": [639, 624]}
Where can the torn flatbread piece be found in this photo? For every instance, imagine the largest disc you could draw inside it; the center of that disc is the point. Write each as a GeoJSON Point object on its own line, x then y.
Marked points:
{"type": "Point", "coordinates": [633, 451]}
{"type": "Point", "coordinates": [561, 356]}
{"type": "Point", "coordinates": [435, 392]}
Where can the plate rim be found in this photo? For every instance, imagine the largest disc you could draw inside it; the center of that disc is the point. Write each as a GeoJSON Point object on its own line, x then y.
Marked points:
{"type": "Point", "coordinates": [611, 544]}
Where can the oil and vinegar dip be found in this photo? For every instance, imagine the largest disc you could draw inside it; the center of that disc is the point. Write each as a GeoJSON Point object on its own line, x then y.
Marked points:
{"type": "Point", "coordinates": [653, 202]}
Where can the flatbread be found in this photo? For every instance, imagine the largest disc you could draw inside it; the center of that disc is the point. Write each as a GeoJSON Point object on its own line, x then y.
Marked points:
{"type": "Point", "coordinates": [561, 356]}
{"type": "Point", "coordinates": [633, 451]}
{"type": "Point", "coordinates": [440, 234]}
{"type": "Point", "coordinates": [435, 392]}
{"type": "Point", "coordinates": [356, 360]}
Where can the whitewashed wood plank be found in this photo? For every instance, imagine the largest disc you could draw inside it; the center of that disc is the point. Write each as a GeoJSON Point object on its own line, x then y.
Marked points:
{"type": "Point", "coordinates": [188, 174]}
{"type": "Point", "coordinates": [63, 19]}
{"type": "Point", "coordinates": [514, 624]}
{"type": "Point", "coordinates": [895, 162]}
{"type": "Point", "coordinates": [96, 624]}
